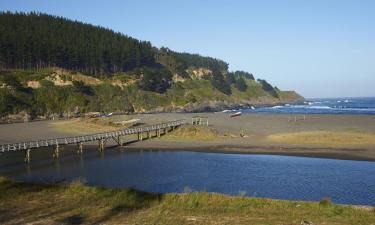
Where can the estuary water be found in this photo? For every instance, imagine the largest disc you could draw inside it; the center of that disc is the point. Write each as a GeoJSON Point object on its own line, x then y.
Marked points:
{"type": "Point", "coordinates": [279, 177]}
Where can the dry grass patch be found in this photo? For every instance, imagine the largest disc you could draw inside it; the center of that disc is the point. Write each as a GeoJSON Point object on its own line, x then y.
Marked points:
{"type": "Point", "coordinates": [199, 133]}
{"type": "Point", "coordinates": [325, 138]}
{"type": "Point", "coordinates": [80, 127]}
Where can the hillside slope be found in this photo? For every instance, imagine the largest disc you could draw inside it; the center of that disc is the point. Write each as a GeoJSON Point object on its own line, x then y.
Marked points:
{"type": "Point", "coordinates": [51, 65]}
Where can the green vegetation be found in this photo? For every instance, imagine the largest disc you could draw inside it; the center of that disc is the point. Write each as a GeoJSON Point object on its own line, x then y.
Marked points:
{"type": "Point", "coordinates": [77, 203]}
{"type": "Point", "coordinates": [242, 74]}
{"type": "Point", "coordinates": [104, 96]}
{"type": "Point", "coordinates": [241, 84]}
{"type": "Point", "coordinates": [221, 83]}
{"type": "Point", "coordinates": [180, 62]}
{"type": "Point", "coordinates": [196, 133]}
{"type": "Point", "coordinates": [155, 80]}
{"type": "Point", "coordinates": [52, 65]}
{"type": "Point", "coordinates": [268, 88]}
{"type": "Point", "coordinates": [39, 41]}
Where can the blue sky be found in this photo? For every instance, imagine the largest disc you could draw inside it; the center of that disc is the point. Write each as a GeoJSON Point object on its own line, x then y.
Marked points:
{"type": "Point", "coordinates": [318, 48]}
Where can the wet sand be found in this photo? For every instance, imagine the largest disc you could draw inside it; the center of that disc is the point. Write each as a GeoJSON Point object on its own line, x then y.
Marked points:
{"type": "Point", "coordinates": [257, 128]}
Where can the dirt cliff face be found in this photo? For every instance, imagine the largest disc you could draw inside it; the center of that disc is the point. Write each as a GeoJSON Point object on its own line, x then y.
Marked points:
{"type": "Point", "coordinates": [199, 73]}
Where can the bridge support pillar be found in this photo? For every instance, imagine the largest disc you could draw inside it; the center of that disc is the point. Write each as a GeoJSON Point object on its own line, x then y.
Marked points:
{"type": "Point", "coordinates": [80, 148]}
{"type": "Point", "coordinates": [159, 131]}
{"type": "Point", "coordinates": [148, 135]}
{"type": "Point", "coordinates": [56, 152]}
{"type": "Point", "coordinates": [140, 136]}
{"type": "Point", "coordinates": [101, 145]}
{"type": "Point", "coordinates": [28, 156]}
{"type": "Point", "coordinates": [121, 143]}
{"type": "Point", "coordinates": [166, 130]}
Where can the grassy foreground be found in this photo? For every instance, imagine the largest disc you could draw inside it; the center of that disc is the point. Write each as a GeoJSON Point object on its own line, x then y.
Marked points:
{"type": "Point", "coordinates": [76, 203]}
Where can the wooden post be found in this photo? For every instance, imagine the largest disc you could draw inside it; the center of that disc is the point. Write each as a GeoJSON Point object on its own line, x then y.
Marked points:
{"type": "Point", "coordinates": [119, 141]}
{"type": "Point", "coordinates": [56, 152]}
{"type": "Point", "coordinates": [159, 133]}
{"type": "Point", "coordinates": [122, 139]}
{"type": "Point", "coordinates": [80, 148]}
{"type": "Point", "coordinates": [28, 156]}
{"type": "Point", "coordinates": [148, 135]}
{"type": "Point", "coordinates": [101, 145]}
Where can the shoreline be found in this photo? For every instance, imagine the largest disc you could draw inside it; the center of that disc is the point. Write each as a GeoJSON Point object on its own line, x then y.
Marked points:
{"type": "Point", "coordinates": [224, 134]}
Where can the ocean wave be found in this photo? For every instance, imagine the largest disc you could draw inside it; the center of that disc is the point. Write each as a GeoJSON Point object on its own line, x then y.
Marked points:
{"type": "Point", "coordinates": [319, 107]}
{"type": "Point", "coordinates": [308, 107]}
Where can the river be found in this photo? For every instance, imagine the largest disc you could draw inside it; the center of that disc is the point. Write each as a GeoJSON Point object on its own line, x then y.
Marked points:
{"type": "Point", "coordinates": [279, 177]}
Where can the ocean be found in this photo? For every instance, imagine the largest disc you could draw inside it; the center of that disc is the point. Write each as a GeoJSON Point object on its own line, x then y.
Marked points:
{"type": "Point", "coordinates": [347, 106]}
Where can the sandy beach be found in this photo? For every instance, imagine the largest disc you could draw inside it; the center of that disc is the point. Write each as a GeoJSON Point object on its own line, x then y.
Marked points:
{"type": "Point", "coordinates": [329, 136]}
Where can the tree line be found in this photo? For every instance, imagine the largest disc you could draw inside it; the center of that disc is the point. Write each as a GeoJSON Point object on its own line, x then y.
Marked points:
{"type": "Point", "coordinates": [36, 40]}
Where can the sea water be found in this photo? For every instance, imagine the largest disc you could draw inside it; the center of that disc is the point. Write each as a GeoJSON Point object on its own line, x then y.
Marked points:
{"type": "Point", "coordinates": [349, 106]}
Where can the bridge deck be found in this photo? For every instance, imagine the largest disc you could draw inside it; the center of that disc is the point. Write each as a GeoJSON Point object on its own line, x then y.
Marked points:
{"type": "Point", "coordinates": [87, 138]}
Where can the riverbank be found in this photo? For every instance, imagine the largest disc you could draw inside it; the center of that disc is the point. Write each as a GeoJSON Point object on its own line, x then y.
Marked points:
{"type": "Point", "coordinates": [350, 137]}
{"type": "Point", "coordinates": [328, 136]}
{"type": "Point", "coordinates": [73, 204]}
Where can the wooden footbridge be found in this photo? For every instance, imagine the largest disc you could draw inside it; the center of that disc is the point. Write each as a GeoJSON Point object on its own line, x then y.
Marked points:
{"type": "Point", "coordinates": [102, 138]}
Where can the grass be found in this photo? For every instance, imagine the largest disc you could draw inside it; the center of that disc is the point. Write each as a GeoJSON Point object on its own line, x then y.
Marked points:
{"type": "Point", "coordinates": [325, 138]}
{"type": "Point", "coordinates": [195, 133]}
{"type": "Point", "coordinates": [77, 203]}
{"type": "Point", "coordinates": [80, 127]}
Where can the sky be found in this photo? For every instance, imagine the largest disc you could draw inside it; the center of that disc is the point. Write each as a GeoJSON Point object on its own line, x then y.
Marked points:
{"type": "Point", "coordinates": [319, 48]}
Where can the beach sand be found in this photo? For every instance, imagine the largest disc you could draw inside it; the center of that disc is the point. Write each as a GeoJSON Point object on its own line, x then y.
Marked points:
{"type": "Point", "coordinates": [328, 136]}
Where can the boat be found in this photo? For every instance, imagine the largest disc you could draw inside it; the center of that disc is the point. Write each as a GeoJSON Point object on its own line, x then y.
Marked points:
{"type": "Point", "coordinates": [236, 114]}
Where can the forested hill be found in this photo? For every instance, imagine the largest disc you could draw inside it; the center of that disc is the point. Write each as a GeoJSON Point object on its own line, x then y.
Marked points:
{"type": "Point", "coordinates": [38, 41]}
{"type": "Point", "coordinates": [44, 59]}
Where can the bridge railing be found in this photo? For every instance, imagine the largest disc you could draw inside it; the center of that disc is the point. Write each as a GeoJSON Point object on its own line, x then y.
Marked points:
{"type": "Point", "coordinates": [86, 138]}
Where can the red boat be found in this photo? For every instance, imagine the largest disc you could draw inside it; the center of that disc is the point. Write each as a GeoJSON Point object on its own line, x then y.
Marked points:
{"type": "Point", "coordinates": [236, 114]}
